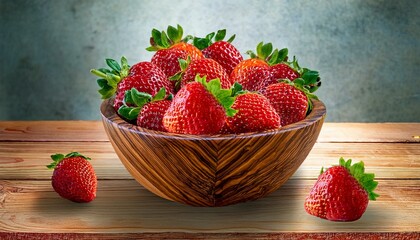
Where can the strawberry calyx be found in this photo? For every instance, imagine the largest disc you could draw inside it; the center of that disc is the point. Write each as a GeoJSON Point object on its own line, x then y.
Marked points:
{"type": "Point", "coordinates": [109, 78]}
{"type": "Point", "coordinates": [164, 40]}
{"type": "Point", "coordinates": [209, 39]}
{"type": "Point", "coordinates": [237, 89]}
{"type": "Point", "coordinates": [58, 157]}
{"type": "Point", "coordinates": [134, 101]}
{"type": "Point", "coordinates": [366, 180]}
{"type": "Point", "coordinates": [183, 64]}
{"type": "Point", "coordinates": [265, 52]}
{"type": "Point", "coordinates": [312, 80]}
{"type": "Point", "coordinates": [223, 96]}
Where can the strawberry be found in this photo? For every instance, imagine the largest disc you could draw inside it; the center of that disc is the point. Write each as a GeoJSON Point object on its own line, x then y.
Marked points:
{"type": "Point", "coordinates": [291, 71]}
{"type": "Point", "coordinates": [74, 177]}
{"type": "Point", "coordinates": [342, 192]}
{"type": "Point", "coordinates": [277, 72]}
{"type": "Point", "coordinates": [251, 72]}
{"type": "Point", "coordinates": [223, 52]}
{"type": "Point", "coordinates": [203, 67]}
{"type": "Point", "coordinates": [199, 107]}
{"type": "Point", "coordinates": [147, 110]}
{"type": "Point", "coordinates": [170, 47]}
{"type": "Point", "coordinates": [267, 67]}
{"type": "Point", "coordinates": [291, 100]}
{"type": "Point", "coordinates": [167, 60]}
{"type": "Point", "coordinates": [284, 71]}
{"type": "Point", "coordinates": [206, 67]}
{"type": "Point", "coordinates": [144, 76]}
{"type": "Point", "coordinates": [255, 113]}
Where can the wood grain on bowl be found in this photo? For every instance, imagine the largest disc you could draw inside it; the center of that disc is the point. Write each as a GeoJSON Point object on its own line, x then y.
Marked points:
{"type": "Point", "coordinates": [212, 170]}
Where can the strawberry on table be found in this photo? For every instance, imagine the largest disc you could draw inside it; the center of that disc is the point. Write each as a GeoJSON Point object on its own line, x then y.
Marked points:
{"type": "Point", "coordinates": [199, 108]}
{"type": "Point", "coordinates": [143, 76]}
{"type": "Point", "coordinates": [342, 192]}
{"type": "Point", "coordinates": [146, 109]}
{"type": "Point", "coordinates": [223, 52]}
{"type": "Point", "coordinates": [74, 177]}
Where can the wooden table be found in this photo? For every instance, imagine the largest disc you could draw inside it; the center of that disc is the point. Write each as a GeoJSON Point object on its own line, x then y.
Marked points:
{"type": "Point", "coordinates": [29, 208]}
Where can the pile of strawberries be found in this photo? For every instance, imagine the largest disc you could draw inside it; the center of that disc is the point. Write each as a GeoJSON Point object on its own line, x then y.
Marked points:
{"type": "Point", "coordinates": [198, 86]}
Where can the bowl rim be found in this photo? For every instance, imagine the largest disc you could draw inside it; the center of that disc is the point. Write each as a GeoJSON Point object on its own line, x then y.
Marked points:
{"type": "Point", "coordinates": [109, 114]}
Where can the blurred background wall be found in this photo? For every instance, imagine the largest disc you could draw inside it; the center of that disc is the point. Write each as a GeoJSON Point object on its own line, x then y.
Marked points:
{"type": "Point", "coordinates": [367, 51]}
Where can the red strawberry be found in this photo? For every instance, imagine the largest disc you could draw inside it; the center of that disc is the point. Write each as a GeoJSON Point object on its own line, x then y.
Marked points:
{"type": "Point", "coordinates": [291, 71]}
{"type": "Point", "coordinates": [342, 193]}
{"type": "Point", "coordinates": [204, 67]}
{"type": "Point", "coordinates": [252, 72]}
{"type": "Point", "coordinates": [146, 109]}
{"type": "Point", "coordinates": [170, 47]}
{"type": "Point", "coordinates": [200, 107]}
{"type": "Point", "coordinates": [151, 115]}
{"type": "Point", "coordinates": [193, 52]}
{"type": "Point", "coordinates": [284, 71]}
{"type": "Point", "coordinates": [290, 100]}
{"type": "Point", "coordinates": [221, 51]}
{"type": "Point", "coordinates": [74, 177]}
{"type": "Point", "coordinates": [143, 76]}
{"type": "Point", "coordinates": [254, 114]}
{"type": "Point", "coordinates": [278, 71]}
{"type": "Point", "coordinates": [167, 60]}
{"type": "Point", "coordinates": [267, 67]}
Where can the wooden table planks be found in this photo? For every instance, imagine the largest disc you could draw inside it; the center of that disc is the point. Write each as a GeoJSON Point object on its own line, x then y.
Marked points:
{"type": "Point", "coordinates": [29, 208]}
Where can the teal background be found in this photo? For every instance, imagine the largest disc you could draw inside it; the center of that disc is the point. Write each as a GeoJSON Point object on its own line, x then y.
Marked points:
{"type": "Point", "coordinates": [366, 51]}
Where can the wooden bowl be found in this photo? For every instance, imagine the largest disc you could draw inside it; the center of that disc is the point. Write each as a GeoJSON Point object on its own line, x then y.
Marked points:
{"type": "Point", "coordinates": [212, 170]}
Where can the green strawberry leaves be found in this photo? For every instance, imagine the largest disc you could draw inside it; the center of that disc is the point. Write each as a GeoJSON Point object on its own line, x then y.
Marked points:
{"type": "Point", "coordinates": [223, 96]}
{"type": "Point", "coordinates": [367, 181]}
{"type": "Point", "coordinates": [183, 64]}
{"type": "Point", "coordinates": [175, 34]}
{"type": "Point", "coordinates": [134, 101]}
{"type": "Point", "coordinates": [209, 39]}
{"type": "Point", "coordinates": [163, 40]}
{"type": "Point", "coordinates": [237, 89]}
{"type": "Point", "coordinates": [58, 157]}
{"type": "Point", "coordinates": [265, 52]}
{"type": "Point", "coordinates": [312, 80]}
{"type": "Point", "coordinates": [109, 78]}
